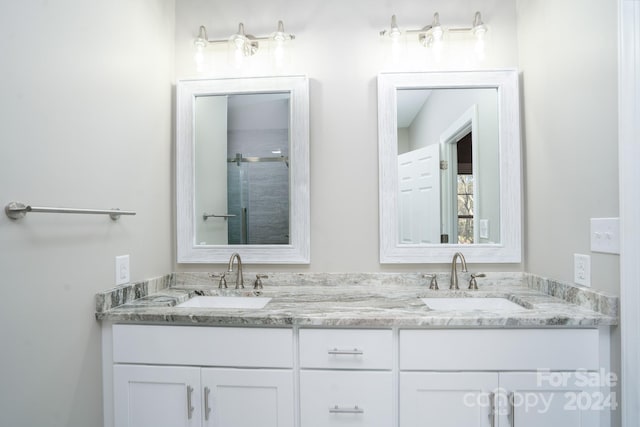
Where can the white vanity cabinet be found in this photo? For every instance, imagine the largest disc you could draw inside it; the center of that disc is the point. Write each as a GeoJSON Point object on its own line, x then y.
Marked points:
{"type": "Point", "coordinates": [501, 378]}
{"type": "Point", "coordinates": [346, 378]}
{"type": "Point", "coordinates": [199, 376]}
{"type": "Point", "coordinates": [204, 376]}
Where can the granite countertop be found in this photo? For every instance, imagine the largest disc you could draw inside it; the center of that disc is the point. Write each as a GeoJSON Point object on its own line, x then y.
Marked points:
{"type": "Point", "coordinates": [359, 300]}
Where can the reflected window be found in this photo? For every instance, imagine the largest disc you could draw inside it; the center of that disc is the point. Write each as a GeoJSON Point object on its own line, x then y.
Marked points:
{"type": "Point", "coordinates": [465, 184]}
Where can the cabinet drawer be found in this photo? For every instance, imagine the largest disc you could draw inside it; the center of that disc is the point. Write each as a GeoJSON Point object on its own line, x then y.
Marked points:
{"type": "Point", "coordinates": [346, 348]}
{"type": "Point", "coordinates": [499, 350]}
{"type": "Point", "coordinates": [203, 346]}
{"type": "Point", "coordinates": [346, 398]}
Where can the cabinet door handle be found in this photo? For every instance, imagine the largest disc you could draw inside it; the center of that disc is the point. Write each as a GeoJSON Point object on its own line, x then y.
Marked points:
{"type": "Point", "coordinates": [190, 408]}
{"type": "Point", "coordinates": [207, 408]}
{"type": "Point", "coordinates": [492, 409]}
{"type": "Point", "coordinates": [512, 410]}
{"type": "Point", "coordinates": [355, 351]}
{"type": "Point", "coordinates": [338, 410]}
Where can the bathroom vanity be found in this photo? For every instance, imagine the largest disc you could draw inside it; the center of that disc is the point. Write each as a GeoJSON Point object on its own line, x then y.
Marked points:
{"type": "Point", "coordinates": [357, 350]}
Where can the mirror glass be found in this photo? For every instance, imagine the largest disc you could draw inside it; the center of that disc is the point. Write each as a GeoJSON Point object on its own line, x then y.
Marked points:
{"type": "Point", "coordinates": [450, 176]}
{"type": "Point", "coordinates": [448, 166]}
{"type": "Point", "coordinates": [242, 170]}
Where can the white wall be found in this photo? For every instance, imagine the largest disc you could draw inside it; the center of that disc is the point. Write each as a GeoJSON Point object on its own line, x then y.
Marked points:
{"type": "Point", "coordinates": [569, 80]}
{"type": "Point", "coordinates": [85, 121]}
{"type": "Point", "coordinates": [338, 48]}
{"type": "Point", "coordinates": [570, 117]}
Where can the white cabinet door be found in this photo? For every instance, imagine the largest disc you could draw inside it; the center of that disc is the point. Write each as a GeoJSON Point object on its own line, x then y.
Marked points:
{"type": "Point", "coordinates": [550, 399]}
{"type": "Point", "coordinates": [346, 398]}
{"type": "Point", "coordinates": [247, 397]}
{"type": "Point", "coordinates": [156, 396]}
{"type": "Point", "coordinates": [435, 399]}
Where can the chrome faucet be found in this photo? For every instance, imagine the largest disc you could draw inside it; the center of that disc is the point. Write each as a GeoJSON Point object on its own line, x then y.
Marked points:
{"type": "Point", "coordinates": [239, 278]}
{"type": "Point", "coordinates": [454, 272]}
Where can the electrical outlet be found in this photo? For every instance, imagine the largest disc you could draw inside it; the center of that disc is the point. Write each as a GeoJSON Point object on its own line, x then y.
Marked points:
{"type": "Point", "coordinates": [122, 269]}
{"type": "Point", "coordinates": [582, 270]}
{"type": "Point", "coordinates": [484, 229]}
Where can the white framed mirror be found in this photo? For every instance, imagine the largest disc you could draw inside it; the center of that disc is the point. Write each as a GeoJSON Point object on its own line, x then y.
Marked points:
{"type": "Point", "coordinates": [242, 170]}
{"type": "Point", "coordinates": [450, 166]}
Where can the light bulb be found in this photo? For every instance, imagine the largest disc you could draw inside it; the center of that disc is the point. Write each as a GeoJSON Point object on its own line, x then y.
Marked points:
{"type": "Point", "coordinates": [198, 57]}
{"type": "Point", "coordinates": [239, 42]}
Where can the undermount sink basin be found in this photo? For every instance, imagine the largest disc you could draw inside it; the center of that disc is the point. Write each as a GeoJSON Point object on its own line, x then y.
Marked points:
{"type": "Point", "coordinates": [470, 304]}
{"type": "Point", "coordinates": [226, 302]}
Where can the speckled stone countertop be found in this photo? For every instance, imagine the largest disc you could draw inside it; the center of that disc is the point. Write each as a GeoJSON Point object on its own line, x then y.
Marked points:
{"type": "Point", "coordinates": [359, 300]}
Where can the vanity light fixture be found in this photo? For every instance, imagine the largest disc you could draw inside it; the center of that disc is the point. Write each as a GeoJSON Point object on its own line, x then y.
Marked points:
{"type": "Point", "coordinates": [246, 44]}
{"type": "Point", "coordinates": [433, 33]}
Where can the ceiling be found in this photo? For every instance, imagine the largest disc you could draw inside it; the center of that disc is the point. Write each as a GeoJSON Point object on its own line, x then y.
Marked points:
{"type": "Point", "coordinates": [410, 101]}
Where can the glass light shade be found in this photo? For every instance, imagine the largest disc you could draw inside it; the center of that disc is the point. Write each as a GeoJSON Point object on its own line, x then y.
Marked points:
{"type": "Point", "coordinates": [395, 32]}
{"type": "Point", "coordinates": [437, 33]}
{"type": "Point", "coordinates": [279, 36]}
{"type": "Point", "coordinates": [201, 41]}
{"type": "Point", "coordinates": [478, 29]}
{"type": "Point", "coordinates": [436, 29]}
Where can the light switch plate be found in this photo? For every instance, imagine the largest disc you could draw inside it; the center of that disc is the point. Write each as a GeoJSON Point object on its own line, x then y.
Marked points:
{"type": "Point", "coordinates": [605, 235]}
{"type": "Point", "coordinates": [582, 270]}
{"type": "Point", "coordinates": [122, 270]}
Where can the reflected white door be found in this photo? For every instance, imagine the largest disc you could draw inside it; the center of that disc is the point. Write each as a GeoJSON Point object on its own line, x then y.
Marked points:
{"type": "Point", "coordinates": [211, 169]}
{"type": "Point", "coordinates": [419, 198]}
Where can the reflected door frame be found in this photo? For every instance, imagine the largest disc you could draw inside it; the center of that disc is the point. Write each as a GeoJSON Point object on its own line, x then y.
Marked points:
{"type": "Point", "coordinates": [467, 122]}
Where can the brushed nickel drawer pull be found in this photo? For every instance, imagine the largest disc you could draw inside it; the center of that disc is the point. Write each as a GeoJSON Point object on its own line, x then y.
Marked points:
{"type": "Point", "coordinates": [512, 410]}
{"type": "Point", "coordinates": [190, 408]}
{"type": "Point", "coordinates": [354, 352]}
{"type": "Point", "coordinates": [492, 409]}
{"type": "Point", "coordinates": [338, 410]}
{"type": "Point", "coordinates": [207, 408]}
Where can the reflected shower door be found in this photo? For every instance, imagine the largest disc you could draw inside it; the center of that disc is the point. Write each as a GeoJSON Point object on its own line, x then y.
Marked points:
{"type": "Point", "coordinates": [237, 202]}
{"type": "Point", "coordinates": [258, 196]}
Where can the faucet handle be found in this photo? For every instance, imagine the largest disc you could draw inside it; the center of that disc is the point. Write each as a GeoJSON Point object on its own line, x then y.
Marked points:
{"type": "Point", "coordinates": [258, 283]}
{"type": "Point", "coordinates": [472, 282]}
{"type": "Point", "coordinates": [223, 281]}
{"type": "Point", "coordinates": [434, 281]}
